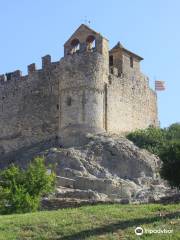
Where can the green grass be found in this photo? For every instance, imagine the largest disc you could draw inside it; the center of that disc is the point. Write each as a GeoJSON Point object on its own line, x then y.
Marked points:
{"type": "Point", "coordinates": [93, 222]}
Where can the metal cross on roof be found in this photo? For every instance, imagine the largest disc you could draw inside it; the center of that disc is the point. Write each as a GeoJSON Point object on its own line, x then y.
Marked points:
{"type": "Point", "coordinates": [86, 21]}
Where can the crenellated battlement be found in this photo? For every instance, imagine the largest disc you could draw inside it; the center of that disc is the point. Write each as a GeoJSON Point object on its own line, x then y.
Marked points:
{"type": "Point", "coordinates": [31, 69]}
{"type": "Point", "coordinates": [16, 75]}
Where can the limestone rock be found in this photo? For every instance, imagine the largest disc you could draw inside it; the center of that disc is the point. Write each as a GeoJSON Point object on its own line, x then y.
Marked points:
{"type": "Point", "coordinates": [106, 168]}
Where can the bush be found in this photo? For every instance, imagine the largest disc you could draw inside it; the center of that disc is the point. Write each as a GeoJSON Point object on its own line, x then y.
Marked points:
{"type": "Point", "coordinates": [171, 164]}
{"type": "Point", "coordinates": [21, 190]}
{"type": "Point", "coordinates": [152, 139]}
{"type": "Point", "coordinates": [173, 132]}
{"type": "Point", "coordinates": [166, 144]}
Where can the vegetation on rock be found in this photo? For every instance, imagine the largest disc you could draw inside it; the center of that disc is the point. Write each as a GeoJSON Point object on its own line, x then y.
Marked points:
{"type": "Point", "coordinates": [166, 144]}
{"type": "Point", "coordinates": [171, 163]}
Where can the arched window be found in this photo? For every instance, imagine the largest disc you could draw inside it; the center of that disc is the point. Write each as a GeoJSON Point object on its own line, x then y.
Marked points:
{"type": "Point", "coordinates": [75, 45]}
{"type": "Point", "coordinates": [90, 42]}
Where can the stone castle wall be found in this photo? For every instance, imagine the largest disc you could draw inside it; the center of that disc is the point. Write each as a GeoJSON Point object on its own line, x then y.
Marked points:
{"type": "Point", "coordinates": [29, 112]}
{"type": "Point", "coordinates": [131, 104]}
{"type": "Point", "coordinates": [65, 99]}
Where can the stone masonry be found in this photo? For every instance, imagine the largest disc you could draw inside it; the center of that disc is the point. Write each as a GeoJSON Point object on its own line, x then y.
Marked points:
{"type": "Point", "coordinates": [90, 90]}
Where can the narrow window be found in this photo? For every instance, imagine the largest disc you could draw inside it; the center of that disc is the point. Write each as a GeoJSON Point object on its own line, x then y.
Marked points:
{"type": "Point", "coordinates": [131, 62]}
{"type": "Point", "coordinates": [69, 101]}
{"type": "Point", "coordinates": [111, 60]}
{"type": "Point", "coordinates": [57, 106]}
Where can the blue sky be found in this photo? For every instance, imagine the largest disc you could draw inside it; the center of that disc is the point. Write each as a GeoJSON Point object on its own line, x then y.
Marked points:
{"type": "Point", "coordinates": [31, 29]}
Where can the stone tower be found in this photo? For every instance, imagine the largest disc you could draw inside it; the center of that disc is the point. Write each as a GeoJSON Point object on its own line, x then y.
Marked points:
{"type": "Point", "coordinates": [83, 81]}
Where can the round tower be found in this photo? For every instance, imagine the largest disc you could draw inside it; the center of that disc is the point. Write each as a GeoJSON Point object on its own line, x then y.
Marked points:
{"type": "Point", "coordinates": [83, 77]}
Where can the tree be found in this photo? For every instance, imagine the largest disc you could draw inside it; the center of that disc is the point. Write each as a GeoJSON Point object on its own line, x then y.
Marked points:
{"type": "Point", "coordinates": [171, 163]}
{"type": "Point", "coordinates": [173, 132]}
{"type": "Point", "coordinates": [166, 144]}
{"type": "Point", "coordinates": [153, 139]}
{"type": "Point", "coordinates": [21, 190]}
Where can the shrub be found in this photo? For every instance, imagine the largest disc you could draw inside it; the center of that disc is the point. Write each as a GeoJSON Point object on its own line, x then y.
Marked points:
{"type": "Point", "coordinates": [152, 139]}
{"type": "Point", "coordinates": [21, 190]}
{"type": "Point", "coordinates": [173, 132]}
{"type": "Point", "coordinates": [171, 163]}
{"type": "Point", "coordinates": [166, 144]}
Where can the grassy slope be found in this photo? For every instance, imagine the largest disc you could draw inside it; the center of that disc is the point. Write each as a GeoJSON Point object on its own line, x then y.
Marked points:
{"type": "Point", "coordinates": [93, 222]}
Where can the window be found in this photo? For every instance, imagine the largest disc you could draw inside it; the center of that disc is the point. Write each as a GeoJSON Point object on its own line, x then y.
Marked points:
{"type": "Point", "coordinates": [75, 45]}
{"type": "Point", "coordinates": [111, 60]}
{"type": "Point", "coordinates": [90, 43]}
{"type": "Point", "coordinates": [69, 101]}
{"type": "Point", "coordinates": [131, 61]}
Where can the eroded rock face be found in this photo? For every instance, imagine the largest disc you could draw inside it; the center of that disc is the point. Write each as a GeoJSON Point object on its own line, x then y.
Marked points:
{"type": "Point", "coordinates": [107, 168]}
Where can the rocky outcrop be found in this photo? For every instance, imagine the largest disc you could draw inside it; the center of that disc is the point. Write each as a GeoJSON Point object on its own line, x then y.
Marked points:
{"type": "Point", "coordinates": [107, 168]}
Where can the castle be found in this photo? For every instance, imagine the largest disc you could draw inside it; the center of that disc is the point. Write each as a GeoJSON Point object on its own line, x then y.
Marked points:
{"type": "Point", "coordinates": [91, 89]}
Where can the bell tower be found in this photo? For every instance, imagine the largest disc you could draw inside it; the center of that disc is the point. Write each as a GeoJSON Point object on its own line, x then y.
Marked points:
{"type": "Point", "coordinates": [83, 74]}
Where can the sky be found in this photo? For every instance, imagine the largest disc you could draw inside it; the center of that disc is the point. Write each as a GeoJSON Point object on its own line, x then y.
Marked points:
{"type": "Point", "coordinates": [31, 29]}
